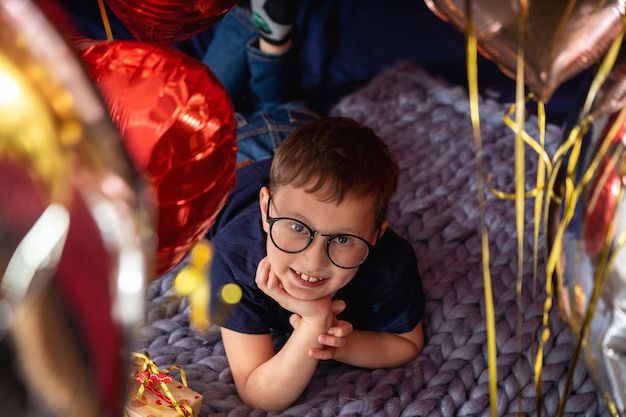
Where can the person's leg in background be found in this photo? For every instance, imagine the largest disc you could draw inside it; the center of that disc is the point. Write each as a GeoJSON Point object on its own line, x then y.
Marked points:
{"type": "Point", "coordinates": [274, 83]}
{"type": "Point", "coordinates": [264, 86]}
{"type": "Point", "coordinates": [275, 20]}
{"type": "Point", "coordinates": [226, 54]}
{"type": "Point", "coordinates": [263, 29]}
{"type": "Point", "coordinates": [271, 59]}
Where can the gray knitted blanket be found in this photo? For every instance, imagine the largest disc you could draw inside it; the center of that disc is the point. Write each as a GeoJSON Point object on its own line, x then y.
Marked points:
{"type": "Point", "coordinates": [426, 124]}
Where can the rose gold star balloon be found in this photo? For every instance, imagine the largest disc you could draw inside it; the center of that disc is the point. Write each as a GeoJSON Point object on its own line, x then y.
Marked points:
{"type": "Point", "coordinates": [611, 95]}
{"type": "Point", "coordinates": [561, 37]}
{"type": "Point", "coordinates": [75, 238]}
{"type": "Point", "coordinates": [178, 125]}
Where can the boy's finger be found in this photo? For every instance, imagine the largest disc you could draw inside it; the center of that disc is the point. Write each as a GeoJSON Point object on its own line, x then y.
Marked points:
{"type": "Point", "coordinates": [331, 341]}
{"type": "Point", "coordinates": [294, 319]}
{"type": "Point", "coordinates": [340, 329]}
{"type": "Point", "coordinates": [322, 354]}
{"type": "Point", "coordinates": [338, 306]}
{"type": "Point", "coordinates": [263, 269]}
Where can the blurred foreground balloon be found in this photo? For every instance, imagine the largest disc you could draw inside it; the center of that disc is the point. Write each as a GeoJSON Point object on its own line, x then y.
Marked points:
{"type": "Point", "coordinates": [587, 230]}
{"type": "Point", "coordinates": [74, 232]}
{"type": "Point", "coordinates": [179, 128]}
{"type": "Point", "coordinates": [169, 21]}
{"type": "Point", "coordinates": [561, 37]}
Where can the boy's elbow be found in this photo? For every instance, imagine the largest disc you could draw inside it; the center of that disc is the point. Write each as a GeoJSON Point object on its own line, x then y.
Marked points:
{"type": "Point", "coordinates": [412, 352]}
{"type": "Point", "coordinates": [267, 406]}
{"type": "Point", "coordinates": [416, 337]}
{"type": "Point", "coordinates": [416, 351]}
{"type": "Point", "coordinates": [266, 403]}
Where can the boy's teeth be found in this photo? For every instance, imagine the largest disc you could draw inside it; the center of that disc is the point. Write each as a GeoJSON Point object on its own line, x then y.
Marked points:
{"type": "Point", "coordinates": [308, 278]}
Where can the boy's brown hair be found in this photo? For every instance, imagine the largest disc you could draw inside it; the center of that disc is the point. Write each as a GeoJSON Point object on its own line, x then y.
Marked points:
{"type": "Point", "coordinates": [339, 155]}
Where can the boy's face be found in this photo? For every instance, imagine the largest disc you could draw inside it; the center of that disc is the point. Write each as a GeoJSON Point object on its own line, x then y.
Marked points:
{"type": "Point", "coordinates": [310, 274]}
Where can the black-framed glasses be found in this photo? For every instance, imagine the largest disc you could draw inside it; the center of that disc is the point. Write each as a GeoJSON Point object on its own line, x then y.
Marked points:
{"type": "Point", "coordinates": [293, 236]}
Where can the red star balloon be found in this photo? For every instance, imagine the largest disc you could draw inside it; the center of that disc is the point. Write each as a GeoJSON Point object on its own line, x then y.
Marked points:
{"type": "Point", "coordinates": [178, 125]}
{"type": "Point", "coordinates": [169, 21]}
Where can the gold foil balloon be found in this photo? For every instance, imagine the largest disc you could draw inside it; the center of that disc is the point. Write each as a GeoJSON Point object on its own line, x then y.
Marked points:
{"type": "Point", "coordinates": [73, 231]}
{"type": "Point", "coordinates": [587, 232]}
{"type": "Point", "coordinates": [561, 37]}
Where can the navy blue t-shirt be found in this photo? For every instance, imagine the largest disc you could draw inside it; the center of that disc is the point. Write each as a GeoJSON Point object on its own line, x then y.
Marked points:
{"type": "Point", "coordinates": [385, 294]}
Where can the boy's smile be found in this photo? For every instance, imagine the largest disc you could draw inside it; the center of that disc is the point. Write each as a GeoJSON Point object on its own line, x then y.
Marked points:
{"type": "Point", "coordinates": [310, 279]}
{"type": "Point", "coordinates": [309, 274]}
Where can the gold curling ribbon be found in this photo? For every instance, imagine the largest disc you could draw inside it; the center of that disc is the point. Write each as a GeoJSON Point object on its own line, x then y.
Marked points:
{"type": "Point", "coordinates": [548, 170]}
{"type": "Point", "coordinates": [144, 363]}
{"type": "Point", "coordinates": [105, 20]}
{"type": "Point", "coordinates": [472, 81]}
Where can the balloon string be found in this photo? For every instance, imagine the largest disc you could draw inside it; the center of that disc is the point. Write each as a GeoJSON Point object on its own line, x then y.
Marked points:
{"type": "Point", "coordinates": [529, 140]}
{"type": "Point", "coordinates": [552, 168]}
{"type": "Point", "coordinates": [105, 20]}
{"type": "Point", "coordinates": [603, 269]}
{"type": "Point", "coordinates": [520, 180]}
{"type": "Point", "coordinates": [554, 254]}
{"type": "Point", "coordinates": [544, 160]}
{"type": "Point", "coordinates": [567, 199]}
{"type": "Point", "coordinates": [570, 193]}
{"type": "Point", "coordinates": [472, 81]}
{"type": "Point", "coordinates": [599, 279]}
{"type": "Point", "coordinates": [542, 169]}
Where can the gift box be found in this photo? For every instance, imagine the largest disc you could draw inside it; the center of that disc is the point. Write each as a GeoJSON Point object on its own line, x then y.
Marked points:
{"type": "Point", "coordinates": [154, 393]}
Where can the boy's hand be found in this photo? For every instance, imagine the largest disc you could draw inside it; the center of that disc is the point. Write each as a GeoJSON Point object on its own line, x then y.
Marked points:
{"type": "Point", "coordinates": [268, 282]}
{"type": "Point", "coordinates": [334, 338]}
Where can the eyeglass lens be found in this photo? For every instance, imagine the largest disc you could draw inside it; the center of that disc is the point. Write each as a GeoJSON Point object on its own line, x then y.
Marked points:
{"type": "Point", "coordinates": [346, 251]}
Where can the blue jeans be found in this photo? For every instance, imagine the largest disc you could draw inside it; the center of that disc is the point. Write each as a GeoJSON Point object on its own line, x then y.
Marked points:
{"type": "Point", "coordinates": [262, 86]}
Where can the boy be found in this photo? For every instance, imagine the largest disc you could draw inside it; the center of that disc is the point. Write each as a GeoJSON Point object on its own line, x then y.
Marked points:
{"type": "Point", "coordinates": [315, 259]}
